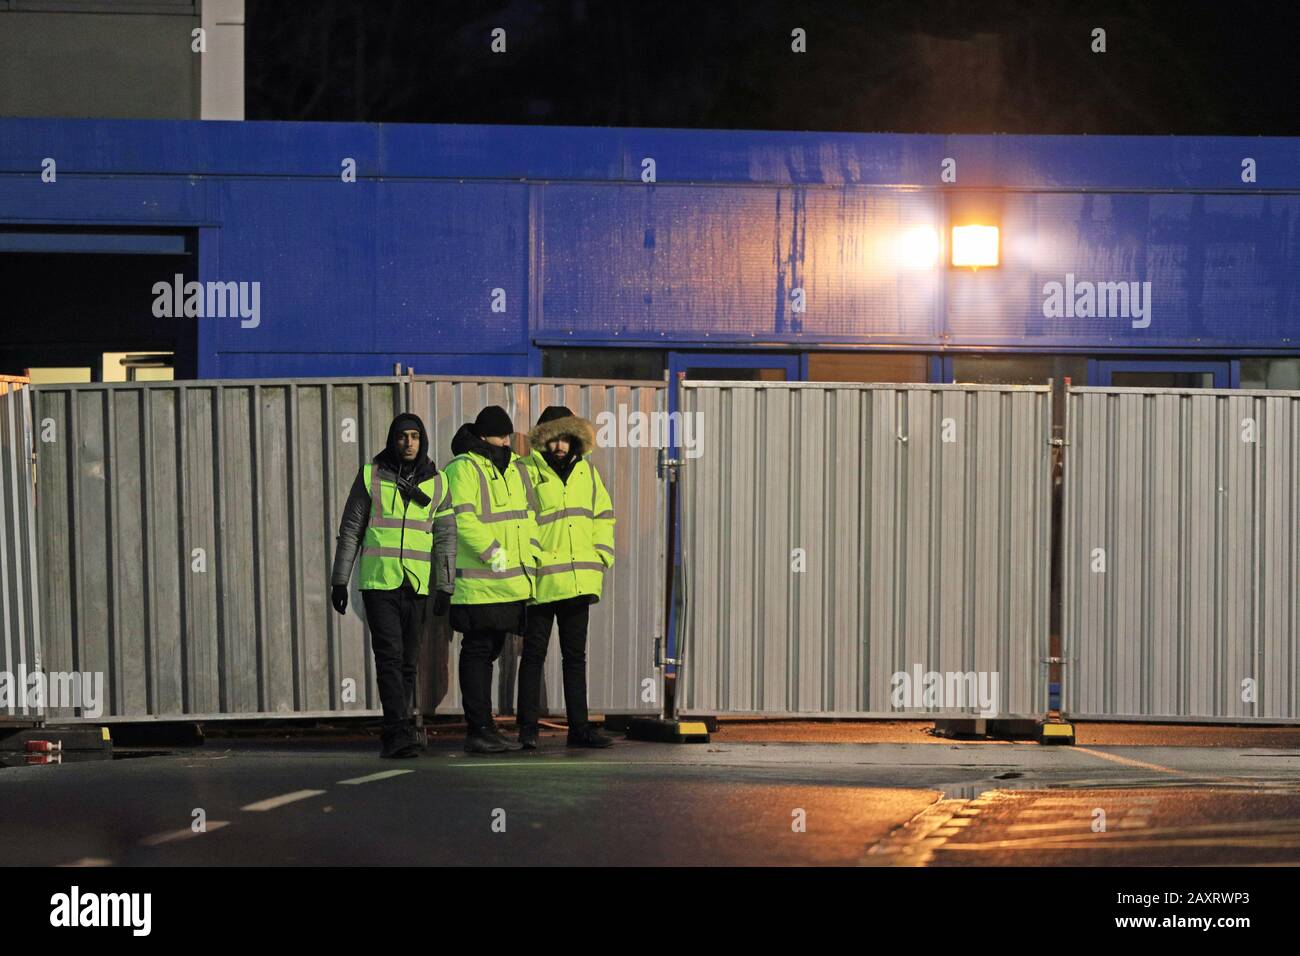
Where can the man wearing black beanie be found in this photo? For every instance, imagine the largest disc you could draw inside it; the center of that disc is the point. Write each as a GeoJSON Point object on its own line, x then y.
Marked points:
{"type": "Point", "coordinates": [496, 561]}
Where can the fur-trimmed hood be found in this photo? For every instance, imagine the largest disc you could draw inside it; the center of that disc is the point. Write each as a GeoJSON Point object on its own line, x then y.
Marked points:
{"type": "Point", "coordinates": [582, 431]}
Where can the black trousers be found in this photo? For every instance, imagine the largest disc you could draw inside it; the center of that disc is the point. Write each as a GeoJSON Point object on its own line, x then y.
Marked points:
{"type": "Point", "coordinates": [572, 615]}
{"type": "Point", "coordinates": [396, 621]}
{"type": "Point", "coordinates": [478, 652]}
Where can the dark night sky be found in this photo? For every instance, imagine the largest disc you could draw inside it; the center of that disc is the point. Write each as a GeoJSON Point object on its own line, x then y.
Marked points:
{"type": "Point", "coordinates": [959, 66]}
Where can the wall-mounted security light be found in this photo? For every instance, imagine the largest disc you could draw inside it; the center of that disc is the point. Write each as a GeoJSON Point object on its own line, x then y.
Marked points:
{"type": "Point", "coordinates": [975, 247]}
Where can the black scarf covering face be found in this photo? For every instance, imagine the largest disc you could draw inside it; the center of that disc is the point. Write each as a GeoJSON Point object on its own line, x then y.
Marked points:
{"type": "Point", "coordinates": [562, 465]}
{"type": "Point", "coordinates": [499, 455]}
{"type": "Point", "coordinates": [465, 440]}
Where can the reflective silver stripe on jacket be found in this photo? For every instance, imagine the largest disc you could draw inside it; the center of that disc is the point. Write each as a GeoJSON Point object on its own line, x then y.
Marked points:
{"type": "Point", "coordinates": [571, 566]}
{"type": "Point", "coordinates": [486, 514]}
{"type": "Point", "coordinates": [403, 553]}
{"type": "Point", "coordinates": [492, 549]}
{"type": "Point", "coordinates": [529, 490]}
{"type": "Point", "coordinates": [503, 516]}
{"type": "Point", "coordinates": [376, 494]}
{"type": "Point", "coordinates": [489, 572]}
{"type": "Point", "coordinates": [376, 500]}
{"type": "Point", "coordinates": [564, 513]}
{"type": "Point", "coordinates": [601, 547]}
{"type": "Point", "coordinates": [605, 514]}
{"type": "Point", "coordinates": [413, 524]}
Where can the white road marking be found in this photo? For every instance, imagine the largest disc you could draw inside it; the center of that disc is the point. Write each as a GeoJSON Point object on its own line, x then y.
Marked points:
{"type": "Point", "coordinates": [272, 802]}
{"type": "Point", "coordinates": [173, 835]}
{"type": "Point", "coordinates": [1130, 762]}
{"type": "Point", "coordinates": [382, 775]}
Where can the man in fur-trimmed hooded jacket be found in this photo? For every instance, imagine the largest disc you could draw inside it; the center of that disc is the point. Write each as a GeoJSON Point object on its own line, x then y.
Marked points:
{"type": "Point", "coordinates": [575, 523]}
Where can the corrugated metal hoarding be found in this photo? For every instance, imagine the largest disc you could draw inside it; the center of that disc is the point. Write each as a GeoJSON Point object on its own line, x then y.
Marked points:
{"type": "Point", "coordinates": [187, 531]}
{"type": "Point", "coordinates": [837, 537]}
{"type": "Point", "coordinates": [629, 616]}
{"type": "Point", "coordinates": [186, 535]}
{"type": "Point", "coordinates": [1181, 554]}
{"type": "Point", "coordinates": [20, 648]}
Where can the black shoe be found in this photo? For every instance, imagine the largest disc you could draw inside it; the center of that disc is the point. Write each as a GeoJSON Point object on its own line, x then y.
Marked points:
{"type": "Point", "coordinates": [528, 738]}
{"type": "Point", "coordinates": [495, 733]}
{"type": "Point", "coordinates": [589, 737]}
{"type": "Point", "coordinates": [417, 737]}
{"type": "Point", "coordinates": [396, 744]}
{"type": "Point", "coordinates": [481, 743]}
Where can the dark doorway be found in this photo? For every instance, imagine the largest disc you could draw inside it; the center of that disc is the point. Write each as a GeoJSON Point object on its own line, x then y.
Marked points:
{"type": "Point", "coordinates": [82, 301]}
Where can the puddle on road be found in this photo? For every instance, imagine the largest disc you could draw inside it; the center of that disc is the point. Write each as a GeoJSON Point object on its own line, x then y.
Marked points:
{"type": "Point", "coordinates": [972, 791]}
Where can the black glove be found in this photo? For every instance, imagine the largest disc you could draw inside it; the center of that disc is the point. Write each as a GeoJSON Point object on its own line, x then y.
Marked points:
{"type": "Point", "coordinates": [339, 598]}
{"type": "Point", "coordinates": [441, 602]}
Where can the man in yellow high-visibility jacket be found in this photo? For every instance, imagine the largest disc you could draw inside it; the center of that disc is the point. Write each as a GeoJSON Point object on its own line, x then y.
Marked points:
{"type": "Point", "coordinates": [575, 523]}
{"type": "Point", "coordinates": [398, 516]}
{"type": "Point", "coordinates": [496, 561]}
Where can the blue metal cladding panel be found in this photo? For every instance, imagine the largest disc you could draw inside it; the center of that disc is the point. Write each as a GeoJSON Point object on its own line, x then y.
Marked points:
{"type": "Point", "coordinates": [180, 148]}
{"type": "Point", "coordinates": [504, 153]}
{"type": "Point", "coordinates": [1156, 163]}
{"type": "Point", "coordinates": [163, 147]}
{"type": "Point", "coordinates": [441, 250]}
{"type": "Point", "coordinates": [398, 266]}
{"type": "Point", "coordinates": [103, 200]}
{"type": "Point", "coordinates": [311, 246]}
{"type": "Point", "coordinates": [654, 261]}
{"type": "Point", "coordinates": [726, 261]}
{"type": "Point", "coordinates": [188, 148]}
{"type": "Point", "coordinates": [237, 365]}
{"type": "Point", "coordinates": [365, 268]}
{"type": "Point", "coordinates": [1222, 271]}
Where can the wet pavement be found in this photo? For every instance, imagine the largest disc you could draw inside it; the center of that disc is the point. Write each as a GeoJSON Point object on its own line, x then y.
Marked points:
{"type": "Point", "coordinates": [303, 800]}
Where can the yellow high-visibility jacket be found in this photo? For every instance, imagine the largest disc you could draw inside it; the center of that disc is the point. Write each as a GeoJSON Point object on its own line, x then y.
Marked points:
{"type": "Point", "coordinates": [497, 548]}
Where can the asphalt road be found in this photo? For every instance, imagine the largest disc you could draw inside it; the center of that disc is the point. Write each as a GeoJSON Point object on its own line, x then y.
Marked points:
{"type": "Point", "coordinates": [332, 802]}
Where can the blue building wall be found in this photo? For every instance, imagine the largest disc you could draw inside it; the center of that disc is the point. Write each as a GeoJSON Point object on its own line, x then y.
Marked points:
{"type": "Point", "coordinates": [401, 265]}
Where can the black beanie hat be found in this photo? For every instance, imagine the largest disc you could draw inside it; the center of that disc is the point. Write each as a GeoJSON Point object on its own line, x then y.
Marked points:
{"type": "Point", "coordinates": [493, 421]}
{"type": "Point", "coordinates": [407, 419]}
{"type": "Point", "coordinates": [554, 412]}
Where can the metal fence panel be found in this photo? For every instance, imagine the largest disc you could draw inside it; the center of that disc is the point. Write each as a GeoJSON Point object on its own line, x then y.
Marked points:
{"type": "Point", "coordinates": [1181, 554]}
{"type": "Point", "coordinates": [629, 616]}
{"type": "Point", "coordinates": [187, 531]}
{"type": "Point", "coordinates": [20, 613]}
{"type": "Point", "coordinates": [835, 536]}
{"type": "Point", "coordinates": [186, 535]}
